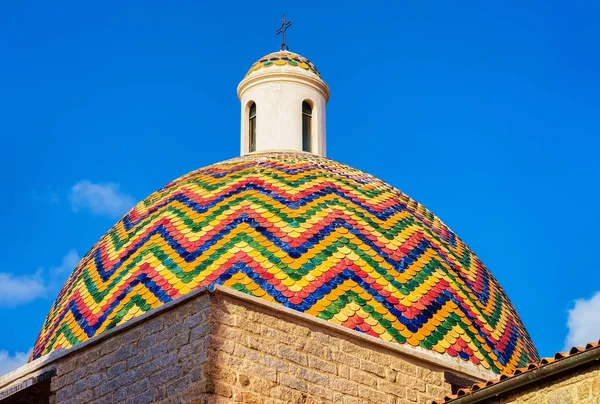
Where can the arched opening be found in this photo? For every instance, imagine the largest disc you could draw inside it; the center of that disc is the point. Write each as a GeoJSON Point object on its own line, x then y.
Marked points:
{"type": "Point", "coordinates": [252, 127]}
{"type": "Point", "coordinates": [306, 126]}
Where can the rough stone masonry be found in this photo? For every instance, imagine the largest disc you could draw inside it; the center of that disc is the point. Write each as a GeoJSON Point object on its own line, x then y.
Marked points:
{"type": "Point", "coordinates": [219, 348]}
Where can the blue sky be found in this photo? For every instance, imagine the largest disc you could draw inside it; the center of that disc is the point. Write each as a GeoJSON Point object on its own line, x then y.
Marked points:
{"type": "Point", "coordinates": [485, 112]}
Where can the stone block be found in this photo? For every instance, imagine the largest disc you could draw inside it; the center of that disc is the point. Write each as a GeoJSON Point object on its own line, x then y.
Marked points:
{"type": "Point", "coordinates": [79, 386]}
{"type": "Point", "coordinates": [95, 367]}
{"type": "Point", "coordinates": [403, 367]}
{"type": "Point", "coordinates": [193, 361]}
{"type": "Point", "coordinates": [412, 383]}
{"type": "Point", "coordinates": [159, 363]}
{"type": "Point", "coordinates": [64, 394]}
{"type": "Point", "coordinates": [116, 370]}
{"type": "Point", "coordinates": [223, 390]}
{"type": "Point", "coordinates": [223, 374]}
{"type": "Point", "coordinates": [309, 347]}
{"type": "Point", "coordinates": [260, 385]}
{"type": "Point", "coordinates": [96, 379]}
{"type": "Point", "coordinates": [258, 370]}
{"type": "Point", "coordinates": [137, 360]}
{"type": "Point", "coordinates": [178, 386]}
{"type": "Point", "coordinates": [173, 317]}
{"type": "Point", "coordinates": [379, 358]}
{"type": "Point", "coordinates": [157, 350]}
{"type": "Point", "coordinates": [345, 358]}
{"type": "Point", "coordinates": [130, 376]}
{"type": "Point", "coordinates": [291, 381]}
{"type": "Point", "coordinates": [279, 336]}
{"type": "Point", "coordinates": [292, 329]}
{"type": "Point", "coordinates": [399, 390]}
{"type": "Point", "coordinates": [103, 400]}
{"type": "Point", "coordinates": [371, 367]}
{"type": "Point", "coordinates": [411, 395]}
{"type": "Point", "coordinates": [310, 375]}
{"type": "Point", "coordinates": [90, 355]}
{"type": "Point", "coordinates": [57, 382]}
{"type": "Point", "coordinates": [178, 340]}
{"type": "Point", "coordinates": [231, 333]}
{"type": "Point", "coordinates": [133, 335]}
{"type": "Point", "coordinates": [139, 386]}
{"type": "Point", "coordinates": [262, 344]}
{"type": "Point", "coordinates": [352, 400]}
{"type": "Point", "coordinates": [560, 396]}
{"type": "Point", "coordinates": [75, 375]}
{"type": "Point", "coordinates": [325, 392]}
{"type": "Point", "coordinates": [194, 320]}
{"type": "Point", "coordinates": [343, 371]}
{"type": "Point", "coordinates": [223, 317]}
{"type": "Point", "coordinates": [325, 339]}
{"type": "Point", "coordinates": [362, 377]}
{"type": "Point", "coordinates": [343, 385]}
{"type": "Point", "coordinates": [84, 397]}
{"type": "Point", "coordinates": [125, 351]}
{"type": "Point", "coordinates": [251, 398]}
{"type": "Point", "coordinates": [584, 390]}
{"type": "Point", "coordinates": [144, 398]}
{"type": "Point", "coordinates": [148, 341]}
{"type": "Point", "coordinates": [121, 394]}
{"type": "Point", "coordinates": [285, 352]}
{"type": "Point", "coordinates": [374, 396]}
{"type": "Point", "coordinates": [430, 377]}
{"type": "Point", "coordinates": [275, 363]}
{"type": "Point", "coordinates": [287, 394]}
{"type": "Point", "coordinates": [110, 345]}
{"type": "Point", "coordinates": [165, 374]}
{"type": "Point", "coordinates": [192, 348]}
{"type": "Point", "coordinates": [247, 325]}
{"type": "Point", "coordinates": [436, 391]}
{"type": "Point", "coordinates": [354, 350]}
{"type": "Point", "coordinates": [110, 386]}
{"type": "Point", "coordinates": [224, 345]}
{"type": "Point", "coordinates": [107, 360]}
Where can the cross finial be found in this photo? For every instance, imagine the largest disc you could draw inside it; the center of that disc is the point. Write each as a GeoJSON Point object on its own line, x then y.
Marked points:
{"type": "Point", "coordinates": [281, 30]}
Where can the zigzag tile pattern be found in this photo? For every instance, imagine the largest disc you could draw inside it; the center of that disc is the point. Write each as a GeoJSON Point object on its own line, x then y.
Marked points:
{"type": "Point", "coordinates": [305, 232]}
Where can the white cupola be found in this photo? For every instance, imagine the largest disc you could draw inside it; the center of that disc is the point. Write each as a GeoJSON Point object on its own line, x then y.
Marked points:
{"type": "Point", "coordinates": [283, 100]}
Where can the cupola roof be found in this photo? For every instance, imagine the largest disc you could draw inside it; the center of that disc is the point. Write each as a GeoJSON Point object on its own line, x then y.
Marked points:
{"type": "Point", "coordinates": [283, 59]}
{"type": "Point", "coordinates": [304, 232]}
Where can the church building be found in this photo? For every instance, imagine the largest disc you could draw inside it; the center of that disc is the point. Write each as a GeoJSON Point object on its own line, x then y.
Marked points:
{"type": "Point", "coordinates": [282, 276]}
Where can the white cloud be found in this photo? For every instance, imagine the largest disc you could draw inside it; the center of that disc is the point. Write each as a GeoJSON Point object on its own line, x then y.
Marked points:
{"type": "Point", "coordinates": [10, 362]}
{"type": "Point", "coordinates": [100, 199]}
{"type": "Point", "coordinates": [17, 290]}
{"type": "Point", "coordinates": [69, 262]}
{"type": "Point", "coordinates": [584, 322]}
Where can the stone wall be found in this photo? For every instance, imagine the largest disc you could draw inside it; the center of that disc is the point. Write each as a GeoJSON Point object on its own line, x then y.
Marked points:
{"type": "Point", "coordinates": [218, 348]}
{"type": "Point", "coordinates": [159, 359]}
{"type": "Point", "coordinates": [259, 357]}
{"type": "Point", "coordinates": [580, 385]}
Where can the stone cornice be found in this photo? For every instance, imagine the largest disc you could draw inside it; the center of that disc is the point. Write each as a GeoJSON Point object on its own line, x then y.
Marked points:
{"type": "Point", "coordinates": [283, 75]}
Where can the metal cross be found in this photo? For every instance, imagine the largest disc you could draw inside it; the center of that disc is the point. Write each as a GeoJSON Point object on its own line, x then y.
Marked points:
{"type": "Point", "coordinates": [281, 30]}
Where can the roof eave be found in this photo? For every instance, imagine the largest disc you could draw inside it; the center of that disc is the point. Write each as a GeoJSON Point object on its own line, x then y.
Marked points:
{"type": "Point", "coordinates": [530, 376]}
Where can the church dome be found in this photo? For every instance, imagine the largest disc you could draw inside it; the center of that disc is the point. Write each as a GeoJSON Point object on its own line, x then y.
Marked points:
{"type": "Point", "coordinates": [283, 59]}
{"type": "Point", "coordinates": [304, 232]}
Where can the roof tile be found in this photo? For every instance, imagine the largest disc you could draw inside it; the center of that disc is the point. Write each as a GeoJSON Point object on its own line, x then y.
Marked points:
{"type": "Point", "coordinates": [532, 366]}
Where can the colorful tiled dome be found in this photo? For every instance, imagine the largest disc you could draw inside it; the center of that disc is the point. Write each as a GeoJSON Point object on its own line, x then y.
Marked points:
{"type": "Point", "coordinates": [307, 233]}
{"type": "Point", "coordinates": [283, 58]}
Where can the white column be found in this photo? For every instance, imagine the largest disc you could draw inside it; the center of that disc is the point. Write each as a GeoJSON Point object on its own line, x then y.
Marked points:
{"type": "Point", "coordinates": [279, 92]}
